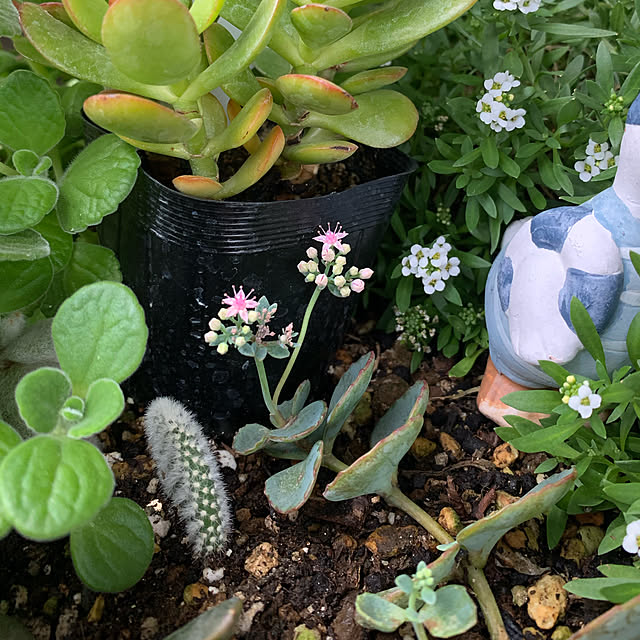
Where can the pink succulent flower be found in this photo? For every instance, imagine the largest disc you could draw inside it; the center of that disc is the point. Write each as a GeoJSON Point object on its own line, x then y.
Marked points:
{"type": "Point", "coordinates": [332, 238]}
{"type": "Point", "coordinates": [321, 281]}
{"type": "Point", "coordinates": [357, 285]}
{"type": "Point", "coordinates": [239, 304]}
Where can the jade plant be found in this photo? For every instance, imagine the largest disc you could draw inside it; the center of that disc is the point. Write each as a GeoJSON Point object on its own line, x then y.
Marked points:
{"type": "Point", "coordinates": [319, 81]}
{"type": "Point", "coordinates": [189, 474]}
{"type": "Point", "coordinates": [46, 196]}
{"type": "Point", "coordinates": [54, 483]}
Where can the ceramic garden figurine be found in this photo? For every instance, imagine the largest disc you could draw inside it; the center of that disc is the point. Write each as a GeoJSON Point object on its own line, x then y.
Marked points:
{"type": "Point", "coordinates": [545, 260]}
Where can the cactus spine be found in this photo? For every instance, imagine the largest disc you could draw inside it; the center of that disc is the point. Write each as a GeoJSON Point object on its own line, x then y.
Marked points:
{"type": "Point", "coordinates": [189, 474]}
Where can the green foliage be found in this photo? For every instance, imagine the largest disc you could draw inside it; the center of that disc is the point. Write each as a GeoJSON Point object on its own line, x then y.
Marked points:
{"type": "Point", "coordinates": [54, 483]}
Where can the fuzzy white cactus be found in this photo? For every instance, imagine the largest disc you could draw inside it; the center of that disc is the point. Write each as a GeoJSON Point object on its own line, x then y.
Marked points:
{"type": "Point", "coordinates": [189, 473]}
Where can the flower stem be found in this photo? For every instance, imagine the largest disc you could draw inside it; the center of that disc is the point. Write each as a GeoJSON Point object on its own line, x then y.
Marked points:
{"type": "Point", "coordinates": [296, 351]}
{"type": "Point", "coordinates": [7, 170]}
{"type": "Point", "coordinates": [397, 499]}
{"type": "Point", "coordinates": [266, 394]}
{"type": "Point", "coordinates": [488, 604]}
{"type": "Point", "coordinates": [421, 634]}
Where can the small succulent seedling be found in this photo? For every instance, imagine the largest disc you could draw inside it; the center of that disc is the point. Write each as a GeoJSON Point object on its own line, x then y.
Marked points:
{"type": "Point", "coordinates": [56, 483]}
{"type": "Point", "coordinates": [319, 81]}
{"type": "Point", "coordinates": [45, 197]}
{"type": "Point", "coordinates": [189, 474]}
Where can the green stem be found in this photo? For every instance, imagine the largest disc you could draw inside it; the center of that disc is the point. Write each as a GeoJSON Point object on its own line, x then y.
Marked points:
{"type": "Point", "coordinates": [331, 462]}
{"type": "Point", "coordinates": [488, 604]}
{"type": "Point", "coordinates": [266, 394]}
{"type": "Point", "coordinates": [56, 163]}
{"type": "Point", "coordinates": [397, 499]}
{"type": "Point", "coordinates": [296, 351]}
{"type": "Point", "coordinates": [421, 634]}
{"type": "Point", "coordinates": [7, 170]}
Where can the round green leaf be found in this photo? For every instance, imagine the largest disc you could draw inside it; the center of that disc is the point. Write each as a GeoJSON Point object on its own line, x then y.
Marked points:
{"type": "Point", "coordinates": [90, 263]}
{"type": "Point", "coordinates": [9, 438]}
{"type": "Point", "coordinates": [31, 116]}
{"type": "Point", "coordinates": [111, 552]}
{"type": "Point", "coordinates": [40, 395]}
{"type": "Point", "coordinates": [453, 613]}
{"type": "Point", "coordinates": [25, 161]}
{"type": "Point", "coordinates": [24, 245]}
{"type": "Point", "coordinates": [99, 332]}
{"type": "Point", "coordinates": [50, 485]}
{"type": "Point", "coordinates": [95, 183]}
{"type": "Point", "coordinates": [104, 404]}
{"type": "Point", "coordinates": [60, 242]}
{"type": "Point", "coordinates": [24, 201]}
{"type": "Point", "coordinates": [23, 282]}
{"type": "Point", "coordinates": [152, 41]}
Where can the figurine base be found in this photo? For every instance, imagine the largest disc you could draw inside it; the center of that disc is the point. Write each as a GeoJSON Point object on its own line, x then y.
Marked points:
{"type": "Point", "coordinates": [495, 386]}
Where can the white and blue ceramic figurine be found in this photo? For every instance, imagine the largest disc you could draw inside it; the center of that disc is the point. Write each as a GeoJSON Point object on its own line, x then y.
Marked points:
{"type": "Point", "coordinates": [580, 251]}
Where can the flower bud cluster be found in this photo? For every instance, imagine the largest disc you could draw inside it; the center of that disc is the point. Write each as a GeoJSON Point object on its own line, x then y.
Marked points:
{"type": "Point", "coordinates": [416, 328]}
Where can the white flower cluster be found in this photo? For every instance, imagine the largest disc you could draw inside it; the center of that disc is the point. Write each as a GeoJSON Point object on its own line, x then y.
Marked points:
{"type": "Point", "coordinates": [495, 105]}
{"type": "Point", "coordinates": [598, 159]}
{"type": "Point", "coordinates": [524, 6]}
{"type": "Point", "coordinates": [431, 264]}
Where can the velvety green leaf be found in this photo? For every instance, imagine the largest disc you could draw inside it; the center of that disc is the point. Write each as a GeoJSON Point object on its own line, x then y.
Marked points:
{"type": "Point", "coordinates": [376, 470]}
{"type": "Point", "coordinates": [131, 116]}
{"type": "Point", "coordinates": [95, 183]}
{"type": "Point", "coordinates": [63, 484]}
{"type": "Point", "coordinates": [40, 395]}
{"type": "Point", "coordinates": [73, 98]}
{"type": "Point", "coordinates": [9, 438]}
{"type": "Point", "coordinates": [60, 242]}
{"type": "Point", "coordinates": [250, 438]}
{"type": "Point", "coordinates": [374, 612]}
{"type": "Point", "coordinates": [31, 116]}
{"type": "Point", "coordinates": [288, 490]}
{"type": "Point", "coordinates": [90, 263]}
{"type": "Point", "coordinates": [383, 119]}
{"type": "Point", "coordinates": [9, 22]}
{"type": "Point", "coordinates": [24, 201]}
{"type": "Point", "coordinates": [480, 537]}
{"type": "Point", "coordinates": [87, 15]}
{"type": "Point", "coordinates": [99, 332]}
{"type": "Point", "coordinates": [104, 404]}
{"type": "Point", "coordinates": [412, 404]}
{"type": "Point", "coordinates": [320, 25]}
{"type": "Point", "coordinates": [25, 161]}
{"type": "Point", "coordinates": [373, 79]}
{"type": "Point", "coordinates": [112, 552]}
{"type": "Point", "coordinates": [454, 612]}
{"type": "Point", "coordinates": [23, 282]}
{"type": "Point", "coordinates": [394, 26]}
{"type": "Point", "coordinates": [24, 245]}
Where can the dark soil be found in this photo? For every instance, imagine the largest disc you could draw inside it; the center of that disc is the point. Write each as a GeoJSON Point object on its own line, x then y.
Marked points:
{"type": "Point", "coordinates": [326, 555]}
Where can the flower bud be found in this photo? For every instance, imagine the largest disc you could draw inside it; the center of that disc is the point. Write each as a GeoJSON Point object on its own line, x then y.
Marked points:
{"type": "Point", "coordinates": [210, 337]}
{"type": "Point", "coordinates": [353, 271]}
{"type": "Point", "coordinates": [245, 330]}
{"type": "Point", "coordinates": [223, 347]}
{"type": "Point", "coordinates": [252, 316]}
{"type": "Point", "coordinates": [215, 324]}
{"type": "Point", "coordinates": [312, 266]}
{"type": "Point", "coordinates": [312, 253]}
{"type": "Point", "coordinates": [339, 281]}
{"type": "Point", "coordinates": [357, 285]}
{"type": "Point", "coordinates": [240, 342]}
{"type": "Point", "coordinates": [303, 267]}
{"type": "Point", "coordinates": [322, 281]}
{"type": "Point", "coordinates": [341, 261]}
{"type": "Point", "coordinates": [345, 248]}
{"type": "Point", "coordinates": [222, 314]}
{"type": "Point", "coordinates": [328, 254]}
{"type": "Point", "coordinates": [336, 269]}
{"type": "Point", "coordinates": [366, 273]}
{"type": "Point", "coordinates": [345, 291]}
{"type": "Point", "coordinates": [310, 277]}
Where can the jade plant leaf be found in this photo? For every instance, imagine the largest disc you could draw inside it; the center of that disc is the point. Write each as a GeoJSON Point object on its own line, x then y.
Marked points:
{"type": "Point", "coordinates": [139, 118]}
{"type": "Point", "coordinates": [40, 395]}
{"type": "Point", "coordinates": [112, 551]}
{"type": "Point", "coordinates": [90, 263]}
{"type": "Point", "coordinates": [104, 404]}
{"type": "Point", "coordinates": [316, 94]}
{"type": "Point", "coordinates": [197, 186]}
{"type": "Point", "coordinates": [63, 484]}
{"type": "Point", "coordinates": [373, 79]}
{"type": "Point", "coordinates": [324, 151]}
{"type": "Point", "coordinates": [376, 470]}
{"type": "Point", "coordinates": [480, 537]}
{"type": "Point", "coordinates": [24, 245]}
{"type": "Point", "coordinates": [619, 623]}
{"type": "Point", "coordinates": [214, 118]}
{"type": "Point", "coordinates": [320, 24]}
{"type": "Point", "coordinates": [99, 332]}
{"type": "Point", "coordinates": [398, 24]}
{"type": "Point", "coordinates": [216, 623]}
{"type": "Point", "coordinates": [24, 201]}
{"type": "Point", "coordinates": [95, 183]}
{"type": "Point", "coordinates": [346, 396]}
{"type": "Point", "coordinates": [240, 54]}
{"type": "Point", "coordinates": [204, 12]}
{"type": "Point", "coordinates": [152, 41]}
{"type": "Point", "coordinates": [60, 242]}
{"type": "Point", "coordinates": [23, 283]}
{"type": "Point", "coordinates": [375, 612]}
{"type": "Point", "coordinates": [383, 119]}
{"type": "Point", "coordinates": [453, 613]}
{"type": "Point", "coordinates": [369, 62]}
{"type": "Point", "coordinates": [250, 438]}
{"type": "Point", "coordinates": [292, 407]}
{"type": "Point", "coordinates": [288, 490]}
{"type": "Point", "coordinates": [9, 21]}
{"type": "Point", "coordinates": [412, 404]}
{"type": "Point", "coordinates": [31, 116]}
{"type": "Point", "coordinates": [87, 16]}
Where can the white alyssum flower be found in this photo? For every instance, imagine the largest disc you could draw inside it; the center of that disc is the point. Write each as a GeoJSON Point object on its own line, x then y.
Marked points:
{"type": "Point", "coordinates": [494, 107]}
{"type": "Point", "coordinates": [524, 6]}
{"type": "Point", "coordinates": [632, 538]}
{"type": "Point", "coordinates": [596, 149]}
{"type": "Point", "coordinates": [528, 6]}
{"type": "Point", "coordinates": [585, 401]}
{"type": "Point", "coordinates": [451, 268]}
{"type": "Point", "coordinates": [505, 5]}
{"type": "Point", "coordinates": [432, 265]}
{"type": "Point", "coordinates": [599, 158]}
{"type": "Point", "coordinates": [433, 282]}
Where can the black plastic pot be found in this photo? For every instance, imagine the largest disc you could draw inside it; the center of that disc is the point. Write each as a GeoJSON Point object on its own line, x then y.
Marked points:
{"type": "Point", "coordinates": [181, 254]}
